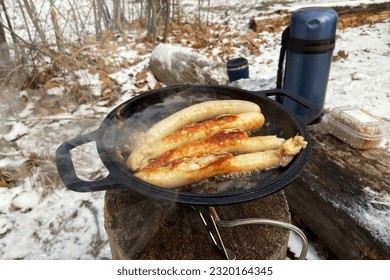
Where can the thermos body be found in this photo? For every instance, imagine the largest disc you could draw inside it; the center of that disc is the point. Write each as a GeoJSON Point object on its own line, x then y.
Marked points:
{"type": "Point", "coordinates": [308, 78]}
{"type": "Point", "coordinates": [309, 43]}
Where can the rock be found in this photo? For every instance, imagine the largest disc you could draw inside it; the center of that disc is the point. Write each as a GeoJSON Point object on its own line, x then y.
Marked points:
{"type": "Point", "coordinates": [176, 65]}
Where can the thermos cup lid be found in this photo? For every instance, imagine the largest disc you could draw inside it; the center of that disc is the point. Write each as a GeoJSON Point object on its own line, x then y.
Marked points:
{"type": "Point", "coordinates": [237, 63]}
{"type": "Point", "coordinates": [313, 23]}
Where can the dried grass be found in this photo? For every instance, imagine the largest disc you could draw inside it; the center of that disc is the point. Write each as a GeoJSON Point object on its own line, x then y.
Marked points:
{"type": "Point", "coordinates": [6, 178]}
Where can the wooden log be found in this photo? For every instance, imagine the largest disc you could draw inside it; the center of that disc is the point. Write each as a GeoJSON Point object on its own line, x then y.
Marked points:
{"type": "Point", "coordinates": [343, 196]}
{"type": "Point", "coordinates": [142, 228]}
{"type": "Point", "coordinates": [347, 17]}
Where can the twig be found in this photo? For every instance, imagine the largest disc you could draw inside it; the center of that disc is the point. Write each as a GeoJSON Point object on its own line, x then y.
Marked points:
{"type": "Point", "coordinates": [49, 119]}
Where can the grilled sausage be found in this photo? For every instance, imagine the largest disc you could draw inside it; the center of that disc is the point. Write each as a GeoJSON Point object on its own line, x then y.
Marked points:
{"type": "Point", "coordinates": [193, 170]}
{"type": "Point", "coordinates": [228, 140]}
{"type": "Point", "coordinates": [151, 149]}
{"type": "Point", "coordinates": [198, 113]}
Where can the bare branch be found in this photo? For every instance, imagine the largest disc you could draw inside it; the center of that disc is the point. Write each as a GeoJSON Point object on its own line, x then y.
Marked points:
{"type": "Point", "coordinates": [35, 19]}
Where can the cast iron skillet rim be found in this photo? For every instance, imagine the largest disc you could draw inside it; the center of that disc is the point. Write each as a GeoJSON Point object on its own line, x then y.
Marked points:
{"type": "Point", "coordinates": [222, 198]}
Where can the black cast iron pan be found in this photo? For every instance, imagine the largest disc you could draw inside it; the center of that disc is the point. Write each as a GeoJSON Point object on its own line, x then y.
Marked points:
{"type": "Point", "coordinates": [139, 113]}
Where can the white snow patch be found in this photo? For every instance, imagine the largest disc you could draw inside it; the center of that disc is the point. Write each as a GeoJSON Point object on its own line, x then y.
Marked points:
{"type": "Point", "coordinates": [18, 129]}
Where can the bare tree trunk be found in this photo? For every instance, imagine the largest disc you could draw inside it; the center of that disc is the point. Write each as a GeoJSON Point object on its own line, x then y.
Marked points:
{"type": "Point", "coordinates": [203, 21]}
{"type": "Point", "coordinates": [98, 26]}
{"type": "Point", "coordinates": [5, 57]}
{"type": "Point", "coordinates": [142, 11]}
{"type": "Point", "coordinates": [151, 20]}
{"type": "Point", "coordinates": [9, 23]}
{"type": "Point", "coordinates": [173, 9]}
{"type": "Point", "coordinates": [34, 18]}
{"type": "Point", "coordinates": [124, 11]}
{"type": "Point", "coordinates": [57, 31]}
{"type": "Point", "coordinates": [83, 19]}
{"type": "Point", "coordinates": [104, 14]}
{"type": "Point", "coordinates": [6, 60]}
{"type": "Point", "coordinates": [157, 12]}
{"type": "Point", "coordinates": [118, 18]}
{"type": "Point", "coordinates": [25, 20]}
{"type": "Point", "coordinates": [148, 11]}
{"type": "Point", "coordinates": [167, 19]}
{"type": "Point", "coordinates": [73, 11]}
{"type": "Point", "coordinates": [207, 14]}
{"type": "Point", "coordinates": [176, 10]}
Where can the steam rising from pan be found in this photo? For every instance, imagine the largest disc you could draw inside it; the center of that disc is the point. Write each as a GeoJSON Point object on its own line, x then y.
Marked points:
{"type": "Point", "coordinates": [135, 124]}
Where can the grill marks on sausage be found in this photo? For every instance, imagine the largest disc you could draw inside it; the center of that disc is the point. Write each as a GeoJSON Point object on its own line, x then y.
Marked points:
{"type": "Point", "coordinates": [217, 142]}
{"type": "Point", "coordinates": [198, 113]}
{"type": "Point", "coordinates": [207, 126]}
{"type": "Point", "coordinates": [247, 121]}
{"type": "Point", "coordinates": [188, 171]}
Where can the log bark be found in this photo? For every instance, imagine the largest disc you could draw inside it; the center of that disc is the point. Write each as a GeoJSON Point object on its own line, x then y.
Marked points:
{"type": "Point", "coordinates": [142, 228]}
{"type": "Point", "coordinates": [347, 17]}
{"type": "Point", "coordinates": [343, 196]}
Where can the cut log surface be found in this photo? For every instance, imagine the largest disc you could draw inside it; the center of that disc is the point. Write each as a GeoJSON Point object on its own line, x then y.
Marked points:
{"type": "Point", "coordinates": [143, 228]}
{"type": "Point", "coordinates": [343, 195]}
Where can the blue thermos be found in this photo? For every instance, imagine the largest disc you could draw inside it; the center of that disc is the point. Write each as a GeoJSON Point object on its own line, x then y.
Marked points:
{"type": "Point", "coordinates": [307, 48]}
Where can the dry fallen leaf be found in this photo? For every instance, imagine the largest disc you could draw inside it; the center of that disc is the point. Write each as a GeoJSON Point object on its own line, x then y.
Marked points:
{"type": "Point", "coordinates": [5, 184]}
{"type": "Point", "coordinates": [342, 54]}
{"type": "Point", "coordinates": [141, 76]}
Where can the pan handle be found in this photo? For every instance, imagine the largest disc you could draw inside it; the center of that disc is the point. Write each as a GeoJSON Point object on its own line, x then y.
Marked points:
{"type": "Point", "coordinates": [67, 171]}
{"type": "Point", "coordinates": [314, 112]}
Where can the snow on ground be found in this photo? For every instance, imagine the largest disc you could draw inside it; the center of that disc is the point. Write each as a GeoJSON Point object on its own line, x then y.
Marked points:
{"type": "Point", "coordinates": [41, 219]}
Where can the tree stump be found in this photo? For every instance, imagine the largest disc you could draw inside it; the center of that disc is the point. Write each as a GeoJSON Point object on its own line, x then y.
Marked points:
{"type": "Point", "coordinates": [343, 196]}
{"type": "Point", "coordinates": [139, 227]}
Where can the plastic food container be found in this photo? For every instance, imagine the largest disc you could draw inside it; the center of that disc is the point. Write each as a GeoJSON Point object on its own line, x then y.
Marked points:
{"type": "Point", "coordinates": [356, 127]}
